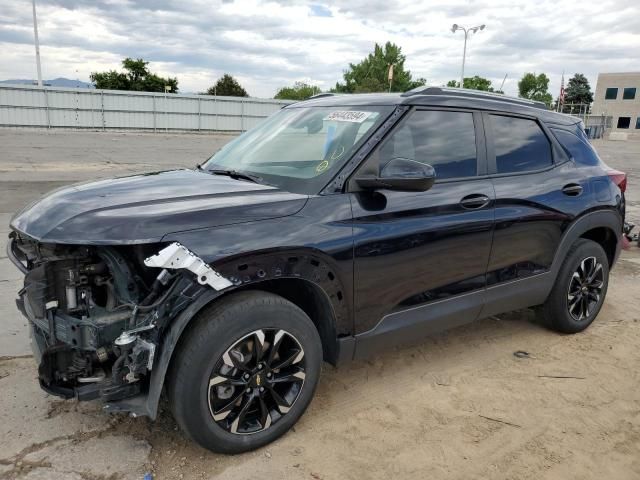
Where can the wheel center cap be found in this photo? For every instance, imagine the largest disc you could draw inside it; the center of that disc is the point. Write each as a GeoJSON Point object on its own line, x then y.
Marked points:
{"type": "Point", "coordinates": [585, 289]}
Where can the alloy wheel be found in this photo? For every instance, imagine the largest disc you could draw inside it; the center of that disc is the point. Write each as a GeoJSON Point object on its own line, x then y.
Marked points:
{"type": "Point", "coordinates": [585, 289]}
{"type": "Point", "coordinates": [257, 381]}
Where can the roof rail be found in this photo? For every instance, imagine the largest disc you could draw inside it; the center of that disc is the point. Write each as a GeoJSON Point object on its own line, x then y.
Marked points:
{"type": "Point", "coordinates": [320, 95]}
{"type": "Point", "coordinates": [465, 92]}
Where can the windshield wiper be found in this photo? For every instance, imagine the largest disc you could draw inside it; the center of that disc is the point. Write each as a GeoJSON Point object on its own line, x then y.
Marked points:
{"type": "Point", "coordinates": [236, 175]}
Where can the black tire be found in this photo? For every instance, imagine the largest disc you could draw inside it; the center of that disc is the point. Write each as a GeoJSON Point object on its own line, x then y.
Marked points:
{"type": "Point", "coordinates": [565, 312]}
{"type": "Point", "coordinates": [224, 329]}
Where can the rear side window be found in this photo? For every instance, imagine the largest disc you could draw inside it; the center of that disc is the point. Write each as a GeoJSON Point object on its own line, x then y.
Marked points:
{"type": "Point", "coordinates": [581, 151]}
{"type": "Point", "coordinates": [444, 140]}
{"type": "Point", "coordinates": [520, 145]}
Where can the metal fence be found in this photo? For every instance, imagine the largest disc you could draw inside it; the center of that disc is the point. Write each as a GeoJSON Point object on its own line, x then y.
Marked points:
{"type": "Point", "coordinates": [595, 125]}
{"type": "Point", "coordinates": [55, 107]}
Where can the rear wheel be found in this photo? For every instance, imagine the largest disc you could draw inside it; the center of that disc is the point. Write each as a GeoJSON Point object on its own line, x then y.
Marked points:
{"type": "Point", "coordinates": [245, 372]}
{"type": "Point", "coordinates": [580, 288]}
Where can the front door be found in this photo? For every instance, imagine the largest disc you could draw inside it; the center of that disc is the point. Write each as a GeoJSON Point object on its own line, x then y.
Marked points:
{"type": "Point", "coordinates": [421, 257]}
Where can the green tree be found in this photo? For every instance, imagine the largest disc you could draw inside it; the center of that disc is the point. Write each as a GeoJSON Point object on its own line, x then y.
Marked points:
{"type": "Point", "coordinates": [136, 77]}
{"type": "Point", "coordinates": [371, 74]}
{"type": "Point", "coordinates": [299, 91]}
{"type": "Point", "coordinates": [578, 90]}
{"type": "Point", "coordinates": [229, 86]}
{"type": "Point", "coordinates": [473, 83]}
{"type": "Point", "coordinates": [535, 87]}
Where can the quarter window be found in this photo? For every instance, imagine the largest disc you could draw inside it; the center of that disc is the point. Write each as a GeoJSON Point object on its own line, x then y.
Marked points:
{"type": "Point", "coordinates": [611, 93]}
{"type": "Point", "coordinates": [519, 144]}
{"type": "Point", "coordinates": [581, 150]}
{"type": "Point", "coordinates": [624, 122]}
{"type": "Point", "coordinates": [629, 93]}
{"type": "Point", "coordinates": [444, 140]}
{"type": "Point", "coordinates": [638, 123]}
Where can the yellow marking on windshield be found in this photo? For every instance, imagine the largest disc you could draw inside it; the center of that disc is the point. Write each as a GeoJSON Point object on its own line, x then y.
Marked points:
{"type": "Point", "coordinates": [322, 166]}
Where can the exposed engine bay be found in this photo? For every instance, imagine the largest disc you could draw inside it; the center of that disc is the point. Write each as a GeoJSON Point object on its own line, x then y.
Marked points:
{"type": "Point", "coordinates": [97, 312]}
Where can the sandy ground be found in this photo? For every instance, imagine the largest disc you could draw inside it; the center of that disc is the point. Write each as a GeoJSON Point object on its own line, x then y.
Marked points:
{"type": "Point", "coordinates": [458, 406]}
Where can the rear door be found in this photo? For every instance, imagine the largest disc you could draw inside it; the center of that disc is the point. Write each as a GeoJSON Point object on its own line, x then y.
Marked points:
{"type": "Point", "coordinates": [416, 250]}
{"type": "Point", "coordinates": [538, 193]}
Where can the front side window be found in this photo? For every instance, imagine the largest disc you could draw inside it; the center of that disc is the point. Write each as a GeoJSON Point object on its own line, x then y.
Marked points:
{"type": "Point", "coordinates": [611, 93]}
{"type": "Point", "coordinates": [300, 149]}
{"type": "Point", "coordinates": [445, 140]}
{"type": "Point", "coordinates": [519, 144]}
{"type": "Point", "coordinates": [629, 93]}
{"type": "Point", "coordinates": [624, 122]}
{"type": "Point", "coordinates": [638, 123]}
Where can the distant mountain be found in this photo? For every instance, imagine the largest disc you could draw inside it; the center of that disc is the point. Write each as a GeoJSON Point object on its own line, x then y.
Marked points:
{"type": "Point", "coordinates": [56, 82]}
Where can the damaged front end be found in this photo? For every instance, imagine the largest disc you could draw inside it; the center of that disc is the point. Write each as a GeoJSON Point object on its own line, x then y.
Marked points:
{"type": "Point", "coordinates": [97, 313]}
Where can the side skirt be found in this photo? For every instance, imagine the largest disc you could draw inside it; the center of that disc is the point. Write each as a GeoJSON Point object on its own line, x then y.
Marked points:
{"type": "Point", "coordinates": [414, 324]}
{"type": "Point", "coordinates": [521, 293]}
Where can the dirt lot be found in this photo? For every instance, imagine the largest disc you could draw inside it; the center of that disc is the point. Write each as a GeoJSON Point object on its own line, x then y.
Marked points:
{"type": "Point", "coordinates": [460, 405]}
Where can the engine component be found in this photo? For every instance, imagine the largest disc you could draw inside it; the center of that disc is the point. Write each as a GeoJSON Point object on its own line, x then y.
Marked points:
{"type": "Point", "coordinates": [98, 376]}
{"type": "Point", "coordinates": [96, 312]}
{"type": "Point", "coordinates": [136, 358]}
{"type": "Point", "coordinates": [125, 340]}
{"type": "Point", "coordinates": [102, 354]}
{"type": "Point", "coordinates": [72, 299]}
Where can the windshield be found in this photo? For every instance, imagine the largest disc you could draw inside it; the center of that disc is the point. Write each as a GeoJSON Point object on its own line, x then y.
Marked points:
{"type": "Point", "coordinates": [299, 149]}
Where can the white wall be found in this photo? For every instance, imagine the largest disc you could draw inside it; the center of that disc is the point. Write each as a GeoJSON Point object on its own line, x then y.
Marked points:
{"type": "Point", "coordinates": [56, 107]}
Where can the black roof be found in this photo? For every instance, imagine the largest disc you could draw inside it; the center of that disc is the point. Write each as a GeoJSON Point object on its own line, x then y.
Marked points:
{"type": "Point", "coordinates": [445, 97]}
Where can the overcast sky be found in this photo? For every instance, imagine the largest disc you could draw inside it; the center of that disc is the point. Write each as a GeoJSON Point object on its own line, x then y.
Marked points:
{"type": "Point", "coordinates": [267, 45]}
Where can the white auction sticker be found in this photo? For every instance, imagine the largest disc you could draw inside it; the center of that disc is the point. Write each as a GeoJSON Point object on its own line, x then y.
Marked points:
{"type": "Point", "coordinates": [348, 116]}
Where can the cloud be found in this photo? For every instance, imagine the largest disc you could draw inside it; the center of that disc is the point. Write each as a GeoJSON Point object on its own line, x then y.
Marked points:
{"type": "Point", "coordinates": [269, 44]}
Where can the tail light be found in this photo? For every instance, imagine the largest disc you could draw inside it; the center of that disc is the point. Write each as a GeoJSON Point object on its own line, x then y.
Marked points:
{"type": "Point", "coordinates": [619, 178]}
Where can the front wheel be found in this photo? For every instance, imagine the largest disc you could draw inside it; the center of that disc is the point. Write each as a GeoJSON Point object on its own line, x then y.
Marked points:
{"type": "Point", "coordinates": [579, 290]}
{"type": "Point", "coordinates": [245, 372]}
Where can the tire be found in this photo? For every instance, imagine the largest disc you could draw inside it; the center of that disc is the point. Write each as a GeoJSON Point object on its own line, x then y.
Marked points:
{"type": "Point", "coordinates": [215, 356]}
{"type": "Point", "coordinates": [564, 309]}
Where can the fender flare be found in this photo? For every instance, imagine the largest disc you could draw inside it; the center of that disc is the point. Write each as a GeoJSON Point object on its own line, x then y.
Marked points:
{"type": "Point", "coordinates": [167, 347]}
{"type": "Point", "coordinates": [602, 218]}
{"type": "Point", "coordinates": [243, 271]}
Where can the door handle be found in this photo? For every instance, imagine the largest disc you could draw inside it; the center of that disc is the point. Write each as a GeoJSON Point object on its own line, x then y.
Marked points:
{"type": "Point", "coordinates": [475, 201]}
{"type": "Point", "coordinates": [572, 189]}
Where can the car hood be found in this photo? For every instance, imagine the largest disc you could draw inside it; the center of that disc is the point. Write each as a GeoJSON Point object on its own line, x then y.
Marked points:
{"type": "Point", "coordinates": [144, 208]}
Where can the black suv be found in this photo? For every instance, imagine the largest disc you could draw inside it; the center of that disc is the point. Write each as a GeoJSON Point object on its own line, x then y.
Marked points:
{"type": "Point", "coordinates": [340, 225]}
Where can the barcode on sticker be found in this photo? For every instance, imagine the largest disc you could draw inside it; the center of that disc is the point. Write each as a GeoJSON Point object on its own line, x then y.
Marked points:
{"type": "Point", "coordinates": [347, 116]}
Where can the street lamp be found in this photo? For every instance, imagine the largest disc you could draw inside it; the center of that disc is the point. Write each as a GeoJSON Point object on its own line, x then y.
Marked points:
{"type": "Point", "coordinates": [37, 42]}
{"type": "Point", "coordinates": [466, 31]}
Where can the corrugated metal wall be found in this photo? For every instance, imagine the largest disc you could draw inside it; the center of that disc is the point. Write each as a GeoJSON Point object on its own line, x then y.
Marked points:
{"type": "Point", "coordinates": [54, 107]}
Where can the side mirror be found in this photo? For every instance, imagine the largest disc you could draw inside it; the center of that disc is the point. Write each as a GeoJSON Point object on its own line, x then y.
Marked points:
{"type": "Point", "coordinates": [400, 174]}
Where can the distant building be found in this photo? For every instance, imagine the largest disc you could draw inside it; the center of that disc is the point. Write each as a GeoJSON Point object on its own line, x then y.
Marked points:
{"type": "Point", "coordinates": [617, 97]}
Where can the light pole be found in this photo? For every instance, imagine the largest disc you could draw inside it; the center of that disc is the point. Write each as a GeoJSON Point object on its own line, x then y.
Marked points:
{"type": "Point", "coordinates": [167, 88]}
{"type": "Point", "coordinates": [466, 31]}
{"type": "Point", "coordinates": [35, 35]}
